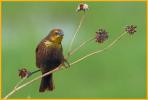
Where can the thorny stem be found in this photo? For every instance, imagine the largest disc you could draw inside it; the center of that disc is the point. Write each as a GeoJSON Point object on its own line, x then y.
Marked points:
{"type": "Point", "coordinates": [81, 45]}
{"type": "Point", "coordinates": [60, 66]}
{"type": "Point", "coordinates": [77, 30]}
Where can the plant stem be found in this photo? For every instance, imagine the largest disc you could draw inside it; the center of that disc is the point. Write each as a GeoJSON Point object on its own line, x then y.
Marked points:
{"type": "Point", "coordinates": [34, 72]}
{"type": "Point", "coordinates": [77, 30]}
{"type": "Point", "coordinates": [60, 66]}
{"type": "Point", "coordinates": [25, 78]}
{"type": "Point", "coordinates": [98, 51]}
{"type": "Point", "coordinates": [18, 83]}
{"type": "Point", "coordinates": [29, 82]}
{"type": "Point", "coordinates": [81, 45]}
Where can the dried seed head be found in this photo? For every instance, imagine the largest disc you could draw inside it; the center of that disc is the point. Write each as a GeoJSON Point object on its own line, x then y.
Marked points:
{"type": "Point", "coordinates": [24, 73]}
{"type": "Point", "coordinates": [131, 29]}
{"type": "Point", "coordinates": [82, 7]}
{"type": "Point", "coordinates": [101, 36]}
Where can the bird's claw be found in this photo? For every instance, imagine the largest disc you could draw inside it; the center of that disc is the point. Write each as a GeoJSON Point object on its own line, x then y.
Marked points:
{"type": "Point", "coordinates": [67, 65]}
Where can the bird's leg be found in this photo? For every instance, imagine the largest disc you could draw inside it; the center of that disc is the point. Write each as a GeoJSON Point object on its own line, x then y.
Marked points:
{"type": "Point", "coordinates": [67, 63]}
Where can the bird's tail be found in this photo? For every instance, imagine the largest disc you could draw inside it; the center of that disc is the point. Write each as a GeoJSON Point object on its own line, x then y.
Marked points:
{"type": "Point", "coordinates": [46, 83]}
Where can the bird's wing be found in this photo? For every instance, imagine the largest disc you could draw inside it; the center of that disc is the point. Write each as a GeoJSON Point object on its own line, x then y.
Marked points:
{"type": "Point", "coordinates": [36, 50]}
{"type": "Point", "coordinates": [42, 51]}
{"type": "Point", "coordinates": [37, 59]}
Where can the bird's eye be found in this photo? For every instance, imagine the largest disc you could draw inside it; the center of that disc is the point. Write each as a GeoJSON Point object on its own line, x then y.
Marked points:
{"type": "Point", "coordinates": [56, 32]}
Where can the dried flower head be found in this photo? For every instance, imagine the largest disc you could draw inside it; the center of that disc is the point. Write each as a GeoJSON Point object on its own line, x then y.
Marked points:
{"type": "Point", "coordinates": [131, 29]}
{"type": "Point", "coordinates": [82, 7]}
{"type": "Point", "coordinates": [24, 73]}
{"type": "Point", "coordinates": [101, 35]}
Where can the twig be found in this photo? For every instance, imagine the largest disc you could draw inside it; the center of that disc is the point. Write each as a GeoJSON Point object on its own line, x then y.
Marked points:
{"type": "Point", "coordinates": [59, 67]}
{"type": "Point", "coordinates": [81, 45]}
{"type": "Point", "coordinates": [98, 51]}
{"type": "Point", "coordinates": [71, 43]}
{"type": "Point", "coordinates": [25, 78]}
{"type": "Point", "coordinates": [29, 82]}
{"type": "Point", "coordinates": [34, 72]}
{"type": "Point", "coordinates": [20, 82]}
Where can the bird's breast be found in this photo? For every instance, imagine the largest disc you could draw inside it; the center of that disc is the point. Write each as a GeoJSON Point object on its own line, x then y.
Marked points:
{"type": "Point", "coordinates": [49, 56]}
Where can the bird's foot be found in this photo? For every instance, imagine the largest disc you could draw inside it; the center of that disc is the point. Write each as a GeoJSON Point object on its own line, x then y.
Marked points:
{"type": "Point", "coordinates": [65, 64]}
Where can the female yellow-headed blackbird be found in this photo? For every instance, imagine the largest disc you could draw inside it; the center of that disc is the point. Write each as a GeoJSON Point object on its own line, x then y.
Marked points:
{"type": "Point", "coordinates": [49, 55]}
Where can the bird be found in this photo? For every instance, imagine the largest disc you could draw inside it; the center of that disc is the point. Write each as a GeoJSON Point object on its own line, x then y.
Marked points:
{"type": "Point", "coordinates": [49, 55]}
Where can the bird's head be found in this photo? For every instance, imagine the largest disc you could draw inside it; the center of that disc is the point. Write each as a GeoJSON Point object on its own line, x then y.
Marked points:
{"type": "Point", "coordinates": [56, 35]}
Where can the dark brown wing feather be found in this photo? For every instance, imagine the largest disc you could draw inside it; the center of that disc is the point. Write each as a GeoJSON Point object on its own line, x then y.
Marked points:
{"type": "Point", "coordinates": [51, 56]}
{"type": "Point", "coordinates": [48, 57]}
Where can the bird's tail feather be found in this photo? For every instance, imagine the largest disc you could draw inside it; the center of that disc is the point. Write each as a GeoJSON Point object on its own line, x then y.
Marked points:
{"type": "Point", "coordinates": [46, 83]}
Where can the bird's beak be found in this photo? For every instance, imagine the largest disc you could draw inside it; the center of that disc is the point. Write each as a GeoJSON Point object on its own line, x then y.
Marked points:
{"type": "Point", "coordinates": [59, 37]}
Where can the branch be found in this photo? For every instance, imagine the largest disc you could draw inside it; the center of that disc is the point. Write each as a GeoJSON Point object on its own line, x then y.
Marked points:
{"type": "Point", "coordinates": [81, 45]}
{"type": "Point", "coordinates": [71, 43]}
{"type": "Point", "coordinates": [24, 78]}
{"type": "Point", "coordinates": [18, 83]}
{"type": "Point", "coordinates": [60, 66]}
{"type": "Point", "coordinates": [29, 82]}
{"type": "Point", "coordinates": [99, 51]}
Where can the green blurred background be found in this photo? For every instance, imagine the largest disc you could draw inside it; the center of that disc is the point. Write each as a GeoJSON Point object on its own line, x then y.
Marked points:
{"type": "Point", "coordinates": [119, 72]}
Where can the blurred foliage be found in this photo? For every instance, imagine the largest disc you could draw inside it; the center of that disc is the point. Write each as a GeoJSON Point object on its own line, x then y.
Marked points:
{"type": "Point", "coordinates": [119, 72]}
